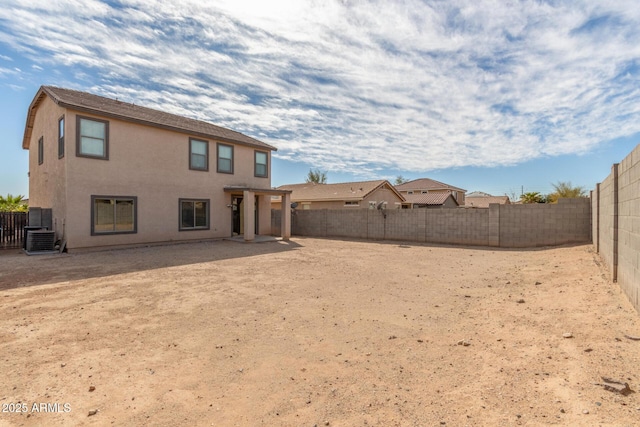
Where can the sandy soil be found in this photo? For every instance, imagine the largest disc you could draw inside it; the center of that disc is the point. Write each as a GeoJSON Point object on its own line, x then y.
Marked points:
{"type": "Point", "coordinates": [315, 332]}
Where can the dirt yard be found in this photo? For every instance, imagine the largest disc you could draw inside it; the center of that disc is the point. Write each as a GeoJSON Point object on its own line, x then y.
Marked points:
{"type": "Point", "coordinates": [315, 333]}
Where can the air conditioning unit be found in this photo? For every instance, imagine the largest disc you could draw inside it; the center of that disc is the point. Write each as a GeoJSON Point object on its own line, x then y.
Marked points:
{"type": "Point", "coordinates": [40, 240]}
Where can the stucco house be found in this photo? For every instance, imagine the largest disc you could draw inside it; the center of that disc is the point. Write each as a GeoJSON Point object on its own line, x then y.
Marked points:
{"type": "Point", "coordinates": [345, 195]}
{"type": "Point", "coordinates": [115, 173]}
{"type": "Point", "coordinates": [429, 186]}
{"type": "Point", "coordinates": [478, 199]}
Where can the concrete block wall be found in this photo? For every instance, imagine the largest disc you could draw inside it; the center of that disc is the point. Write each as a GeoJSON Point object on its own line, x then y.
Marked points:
{"type": "Point", "coordinates": [352, 223]}
{"type": "Point", "coordinates": [407, 224]}
{"type": "Point", "coordinates": [618, 217]}
{"type": "Point", "coordinates": [605, 219]}
{"type": "Point", "coordinates": [458, 226]}
{"type": "Point", "coordinates": [510, 226]}
{"type": "Point", "coordinates": [568, 221]}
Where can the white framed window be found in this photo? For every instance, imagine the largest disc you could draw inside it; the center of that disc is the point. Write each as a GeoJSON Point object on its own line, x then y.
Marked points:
{"type": "Point", "coordinates": [351, 203]}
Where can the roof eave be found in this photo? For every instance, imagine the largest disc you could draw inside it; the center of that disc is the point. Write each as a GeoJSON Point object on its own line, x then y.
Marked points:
{"type": "Point", "coordinates": [31, 116]}
{"type": "Point", "coordinates": [161, 126]}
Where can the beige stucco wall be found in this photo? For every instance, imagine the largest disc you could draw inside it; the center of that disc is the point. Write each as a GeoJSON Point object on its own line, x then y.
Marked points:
{"type": "Point", "coordinates": [383, 194]}
{"type": "Point", "coordinates": [149, 163]}
{"type": "Point", "coordinates": [47, 182]}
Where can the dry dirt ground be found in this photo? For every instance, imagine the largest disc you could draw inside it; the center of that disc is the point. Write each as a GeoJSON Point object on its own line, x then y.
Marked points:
{"type": "Point", "coordinates": [315, 332]}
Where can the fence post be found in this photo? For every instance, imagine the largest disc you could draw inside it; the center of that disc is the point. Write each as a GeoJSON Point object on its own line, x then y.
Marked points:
{"type": "Point", "coordinates": [494, 224]}
{"type": "Point", "coordinates": [614, 171]}
{"type": "Point", "coordinates": [597, 219]}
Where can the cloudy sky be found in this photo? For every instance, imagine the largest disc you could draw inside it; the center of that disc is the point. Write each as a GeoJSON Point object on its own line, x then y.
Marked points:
{"type": "Point", "coordinates": [486, 95]}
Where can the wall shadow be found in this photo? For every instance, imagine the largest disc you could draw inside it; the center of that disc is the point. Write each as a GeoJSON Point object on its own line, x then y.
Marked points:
{"type": "Point", "coordinates": [18, 270]}
{"type": "Point", "coordinates": [412, 243]}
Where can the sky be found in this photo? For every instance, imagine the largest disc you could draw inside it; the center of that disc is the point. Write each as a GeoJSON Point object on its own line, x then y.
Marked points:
{"type": "Point", "coordinates": [487, 95]}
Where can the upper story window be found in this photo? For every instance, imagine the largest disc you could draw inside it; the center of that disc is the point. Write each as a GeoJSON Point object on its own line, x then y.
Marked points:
{"type": "Point", "coordinates": [61, 137]}
{"type": "Point", "coordinates": [92, 138]}
{"type": "Point", "coordinates": [261, 164]}
{"type": "Point", "coordinates": [40, 150]}
{"type": "Point", "coordinates": [410, 192]}
{"type": "Point", "coordinates": [198, 155]}
{"type": "Point", "coordinates": [225, 158]}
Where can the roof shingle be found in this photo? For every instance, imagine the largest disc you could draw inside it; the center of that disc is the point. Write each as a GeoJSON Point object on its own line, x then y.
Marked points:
{"type": "Point", "coordinates": [430, 199]}
{"type": "Point", "coordinates": [329, 192]}
{"type": "Point", "coordinates": [426, 184]}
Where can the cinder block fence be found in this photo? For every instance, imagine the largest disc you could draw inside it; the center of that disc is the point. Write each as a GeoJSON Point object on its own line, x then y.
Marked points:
{"type": "Point", "coordinates": [616, 224]}
{"type": "Point", "coordinates": [506, 226]}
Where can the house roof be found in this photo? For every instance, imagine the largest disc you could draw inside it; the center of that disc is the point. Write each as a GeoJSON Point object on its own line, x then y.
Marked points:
{"type": "Point", "coordinates": [331, 192]}
{"type": "Point", "coordinates": [429, 199]}
{"type": "Point", "coordinates": [426, 184]}
{"type": "Point", "coordinates": [478, 194]}
{"type": "Point", "coordinates": [101, 106]}
{"type": "Point", "coordinates": [485, 201]}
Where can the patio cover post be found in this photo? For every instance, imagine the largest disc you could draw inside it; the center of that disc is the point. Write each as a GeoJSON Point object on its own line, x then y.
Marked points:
{"type": "Point", "coordinates": [285, 221]}
{"type": "Point", "coordinates": [249, 215]}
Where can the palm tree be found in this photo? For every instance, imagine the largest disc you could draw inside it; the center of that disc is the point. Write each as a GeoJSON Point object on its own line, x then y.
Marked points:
{"type": "Point", "coordinates": [564, 190]}
{"type": "Point", "coordinates": [316, 176]}
{"type": "Point", "coordinates": [12, 204]}
{"type": "Point", "coordinates": [532, 197]}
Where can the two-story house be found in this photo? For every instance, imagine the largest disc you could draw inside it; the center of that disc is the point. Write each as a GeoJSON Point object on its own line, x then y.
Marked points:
{"type": "Point", "coordinates": [115, 173]}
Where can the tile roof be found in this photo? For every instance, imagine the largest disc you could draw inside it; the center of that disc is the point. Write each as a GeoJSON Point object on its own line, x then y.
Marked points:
{"type": "Point", "coordinates": [99, 105]}
{"type": "Point", "coordinates": [340, 191]}
{"type": "Point", "coordinates": [426, 184]}
{"type": "Point", "coordinates": [430, 199]}
{"type": "Point", "coordinates": [484, 201]}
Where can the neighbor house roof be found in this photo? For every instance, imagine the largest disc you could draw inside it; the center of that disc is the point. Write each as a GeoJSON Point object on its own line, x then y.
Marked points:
{"type": "Point", "coordinates": [429, 199]}
{"type": "Point", "coordinates": [426, 184]}
{"type": "Point", "coordinates": [341, 191]}
{"type": "Point", "coordinates": [478, 194]}
{"type": "Point", "coordinates": [485, 201]}
{"type": "Point", "coordinates": [99, 105]}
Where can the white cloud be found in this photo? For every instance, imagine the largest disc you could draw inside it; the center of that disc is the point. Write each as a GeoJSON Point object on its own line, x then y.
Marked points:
{"type": "Point", "coordinates": [411, 85]}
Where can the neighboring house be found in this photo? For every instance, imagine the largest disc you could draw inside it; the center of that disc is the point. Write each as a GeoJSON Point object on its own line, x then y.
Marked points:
{"type": "Point", "coordinates": [430, 200]}
{"type": "Point", "coordinates": [346, 195]}
{"type": "Point", "coordinates": [478, 199]}
{"type": "Point", "coordinates": [115, 173]}
{"type": "Point", "coordinates": [428, 186]}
